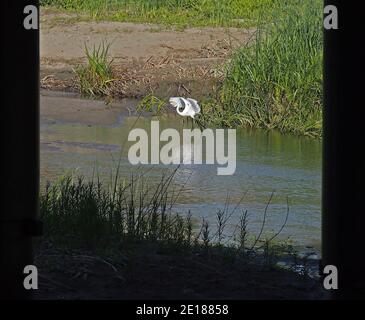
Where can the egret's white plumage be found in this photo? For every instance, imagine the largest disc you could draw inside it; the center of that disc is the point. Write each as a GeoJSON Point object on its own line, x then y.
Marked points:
{"type": "Point", "coordinates": [186, 107]}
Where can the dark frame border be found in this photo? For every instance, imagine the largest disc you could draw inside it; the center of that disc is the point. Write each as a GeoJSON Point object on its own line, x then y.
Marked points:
{"type": "Point", "coordinates": [344, 165]}
{"type": "Point", "coordinates": [343, 218]}
{"type": "Point", "coordinates": [18, 224]}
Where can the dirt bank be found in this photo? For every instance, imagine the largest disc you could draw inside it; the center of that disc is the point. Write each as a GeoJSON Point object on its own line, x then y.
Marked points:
{"type": "Point", "coordinates": [147, 272]}
{"type": "Point", "coordinates": [68, 107]}
{"type": "Point", "coordinates": [148, 58]}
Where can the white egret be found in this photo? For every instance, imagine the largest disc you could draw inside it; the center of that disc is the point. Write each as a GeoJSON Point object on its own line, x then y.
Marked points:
{"type": "Point", "coordinates": [185, 107]}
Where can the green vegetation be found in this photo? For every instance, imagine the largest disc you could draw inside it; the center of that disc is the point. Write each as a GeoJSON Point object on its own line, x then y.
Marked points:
{"type": "Point", "coordinates": [125, 242]}
{"type": "Point", "coordinates": [238, 13]}
{"type": "Point", "coordinates": [86, 215]}
{"type": "Point", "coordinates": [96, 77]}
{"type": "Point", "coordinates": [151, 103]}
{"type": "Point", "coordinates": [275, 82]}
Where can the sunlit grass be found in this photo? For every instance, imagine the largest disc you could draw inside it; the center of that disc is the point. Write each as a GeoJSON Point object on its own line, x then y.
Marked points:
{"type": "Point", "coordinates": [237, 13]}
{"type": "Point", "coordinates": [275, 81]}
{"type": "Point", "coordinates": [96, 76]}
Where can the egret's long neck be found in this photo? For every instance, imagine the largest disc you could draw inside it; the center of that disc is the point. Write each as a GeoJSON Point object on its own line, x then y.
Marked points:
{"type": "Point", "coordinates": [180, 112]}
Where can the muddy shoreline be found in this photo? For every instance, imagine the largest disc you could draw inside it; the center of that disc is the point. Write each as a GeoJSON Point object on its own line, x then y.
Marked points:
{"type": "Point", "coordinates": [70, 107]}
{"type": "Point", "coordinates": [148, 59]}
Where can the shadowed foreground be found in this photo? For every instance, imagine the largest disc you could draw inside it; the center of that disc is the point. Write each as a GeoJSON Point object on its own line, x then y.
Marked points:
{"type": "Point", "coordinates": [125, 241]}
{"type": "Point", "coordinates": [150, 273]}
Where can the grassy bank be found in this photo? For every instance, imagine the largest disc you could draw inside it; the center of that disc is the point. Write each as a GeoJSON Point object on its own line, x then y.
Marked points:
{"type": "Point", "coordinates": [275, 82]}
{"type": "Point", "coordinates": [88, 214]}
{"type": "Point", "coordinates": [272, 82]}
{"type": "Point", "coordinates": [237, 13]}
{"type": "Point", "coordinates": [125, 241]}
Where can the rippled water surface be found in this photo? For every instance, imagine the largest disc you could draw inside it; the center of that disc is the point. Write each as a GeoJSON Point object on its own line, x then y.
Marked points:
{"type": "Point", "coordinates": [267, 162]}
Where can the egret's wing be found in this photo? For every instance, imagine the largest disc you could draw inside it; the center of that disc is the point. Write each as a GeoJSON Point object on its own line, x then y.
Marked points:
{"type": "Point", "coordinates": [177, 102]}
{"type": "Point", "coordinates": [195, 105]}
{"type": "Point", "coordinates": [174, 101]}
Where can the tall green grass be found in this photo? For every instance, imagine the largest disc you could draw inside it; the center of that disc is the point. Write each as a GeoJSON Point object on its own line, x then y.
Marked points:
{"type": "Point", "coordinates": [89, 215]}
{"type": "Point", "coordinates": [170, 12]}
{"type": "Point", "coordinates": [275, 81]}
{"type": "Point", "coordinates": [85, 214]}
{"type": "Point", "coordinates": [96, 76]}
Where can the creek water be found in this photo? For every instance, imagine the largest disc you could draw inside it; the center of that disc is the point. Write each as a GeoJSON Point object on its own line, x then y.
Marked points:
{"type": "Point", "coordinates": [267, 162]}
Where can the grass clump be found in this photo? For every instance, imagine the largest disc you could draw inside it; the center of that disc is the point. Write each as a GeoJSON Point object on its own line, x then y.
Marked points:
{"type": "Point", "coordinates": [85, 214]}
{"type": "Point", "coordinates": [151, 103]}
{"type": "Point", "coordinates": [96, 77]}
{"type": "Point", "coordinates": [275, 81]}
{"type": "Point", "coordinates": [80, 214]}
{"type": "Point", "coordinates": [233, 13]}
